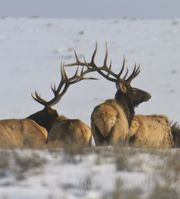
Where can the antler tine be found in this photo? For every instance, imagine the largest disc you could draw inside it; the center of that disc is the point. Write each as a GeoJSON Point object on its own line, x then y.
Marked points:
{"type": "Point", "coordinates": [106, 56]}
{"type": "Point", "coordinates": [110, 65]}
{"type": "Point", "coordinates": [94, 54]}
{"type": "Point", "coordinates": [76, 73]}
{"type": "Point", "coordinates": [122, 68]}
{"type": "Point", "coordinates": [53, 88]}
{"type": "Point", "coordinates": [105, 70]}
{"type": "Point", "coordinates": [66, 79]}
{"type": "Point", "coordinates": [62, 73]}
{"type": "Point", "coordinates": [82, 71]}
{"type": "Point", "coordinates": [64, 76]}
{"type": "Point", "coordinates": [105, 67]}
{"type": "Point", "coordinates": [126, 74]}
{"type": "Point", "coordinates": [77, 59]}
{"type": "Point", "coordinates": [79, 76]}
{"type": "Point", "coordinates": [37, 98]}
{"type": "Point", "coordinates": [78, 62]}
{"type": "Point", "coordinates": [64, 84]}
{"type": "Point", "coordinates": [69, 80]}
{"type": "Point", "coordinates": [134, 73]}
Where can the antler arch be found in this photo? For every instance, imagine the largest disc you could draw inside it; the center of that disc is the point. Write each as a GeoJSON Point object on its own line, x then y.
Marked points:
{"type": "Point", "coordinates": [106, 69]}
{"type": "Point", "coordinates": [63, 86]}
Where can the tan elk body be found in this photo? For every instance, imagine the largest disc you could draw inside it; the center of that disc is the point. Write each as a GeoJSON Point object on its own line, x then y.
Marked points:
{"type": "Point", "coordinates": [20, 133]}
{"type": "Point", "coordinates": [69, 132]}
{"type": "Point", "coordinates": [151, 131]}
{"type": "Point", "coordinates": [109, 121]}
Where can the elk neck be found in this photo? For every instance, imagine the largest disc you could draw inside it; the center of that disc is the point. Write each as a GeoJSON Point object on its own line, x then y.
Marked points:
{"type": "Point", "coordinates": [126, 104]}
{"type": "Point", "coordinates": [45, 117]}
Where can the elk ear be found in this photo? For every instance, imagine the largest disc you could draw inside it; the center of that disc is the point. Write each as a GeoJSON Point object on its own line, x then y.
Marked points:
{"type": "Point", "coordinates": [122, 87]}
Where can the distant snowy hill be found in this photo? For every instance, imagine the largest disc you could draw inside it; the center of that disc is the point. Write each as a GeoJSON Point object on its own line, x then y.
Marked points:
{"type": "Point", "coordinates": [31, 50]}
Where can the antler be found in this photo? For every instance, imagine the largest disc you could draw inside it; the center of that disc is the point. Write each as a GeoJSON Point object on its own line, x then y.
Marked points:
{"type": "Point", "coordinates": [63, 86]}
{"type": "Point", "coordinates": [106, 70]}
{"type": "Point", "coordinates": [134, 74]}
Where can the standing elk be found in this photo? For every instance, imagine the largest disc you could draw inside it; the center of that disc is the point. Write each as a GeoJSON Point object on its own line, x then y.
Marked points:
{"type": "Point", "coordinates": [61, 130]}
{"type": "Point", "coordinates": [111, 120]}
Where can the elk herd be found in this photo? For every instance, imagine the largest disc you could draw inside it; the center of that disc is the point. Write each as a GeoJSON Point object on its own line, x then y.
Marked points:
{"type": "Point", "coordinates": [113, 122]}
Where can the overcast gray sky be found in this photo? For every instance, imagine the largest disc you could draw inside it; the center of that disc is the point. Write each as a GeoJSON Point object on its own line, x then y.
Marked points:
{"type": "Point", "coordinates": [91, 8]}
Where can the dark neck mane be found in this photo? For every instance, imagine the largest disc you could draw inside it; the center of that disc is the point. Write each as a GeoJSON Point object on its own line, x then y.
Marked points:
{"type": "Point", "coordinates": [45, 117]}
{"type": "Point", "coordinates": [126, 104]}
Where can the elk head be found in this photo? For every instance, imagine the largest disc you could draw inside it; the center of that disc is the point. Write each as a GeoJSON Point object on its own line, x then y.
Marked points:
{"type": "Point", "coordinates": [48, 115]}
{"type": "Point", "coordinates": [133, 95]}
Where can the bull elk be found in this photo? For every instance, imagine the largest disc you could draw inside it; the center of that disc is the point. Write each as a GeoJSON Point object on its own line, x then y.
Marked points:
{"type": "Point", "coordinates": [111, 120]}
{"type": "Point", "coordinates": [62, 131]}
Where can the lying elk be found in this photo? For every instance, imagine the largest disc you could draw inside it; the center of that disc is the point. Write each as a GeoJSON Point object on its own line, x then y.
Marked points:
{"type": "Point", "coordinates": [61, 130]}
{"type": "Point", "coordinates": [151, 131]}
{"type": "Point", "coordinates": [20, 133]}
{"type": "Point", "coordinates": [111, 120]}
{"type": "Point", "coordinates": [155, 131]}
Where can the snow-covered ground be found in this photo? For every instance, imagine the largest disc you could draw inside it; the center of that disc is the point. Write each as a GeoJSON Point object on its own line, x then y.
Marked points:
{"type": "Point", "coordinates": [91, 174]}
{"type": "Point", "coordinates": [31, 50]}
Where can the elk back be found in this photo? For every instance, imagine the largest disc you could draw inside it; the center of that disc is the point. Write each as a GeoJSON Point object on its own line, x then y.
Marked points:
{"type": "Point", "coordinates": [151, 131]}
{"type": "Point", "coordinates": [109, 123]}
{"type": "Point", "coordinates": [18, 133]}
{"type": "Point", "coordinates": [69, 132]}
